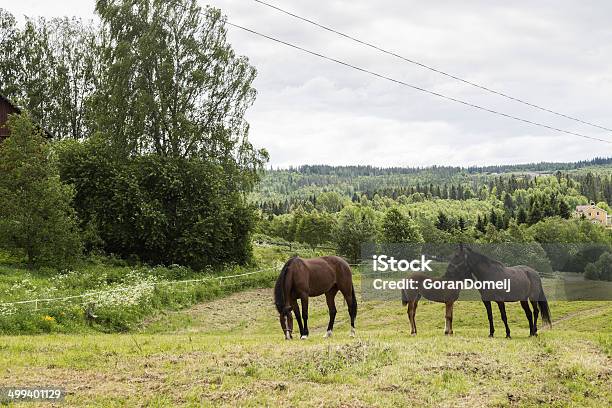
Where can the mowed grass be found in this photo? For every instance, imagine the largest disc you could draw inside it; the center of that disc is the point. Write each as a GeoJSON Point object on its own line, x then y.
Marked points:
{"type": "Point", "coordinates": [231, 352]}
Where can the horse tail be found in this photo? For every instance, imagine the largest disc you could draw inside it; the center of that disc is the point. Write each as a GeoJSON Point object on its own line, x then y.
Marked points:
{"type": "Point", "coordinates": [543, 306]}
{"type": "Point", "coordinates": [279, 287]}
{"type": "Point", "coordinates": [405, 299]}
{"type": "Point", "coordinates": [354, 305]}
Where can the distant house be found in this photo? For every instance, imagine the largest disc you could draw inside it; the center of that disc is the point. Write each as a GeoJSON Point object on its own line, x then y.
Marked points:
{"type": "Point", "coordinates": [593, 213]}
{"type": "Point", "coordinates": [8, 108]}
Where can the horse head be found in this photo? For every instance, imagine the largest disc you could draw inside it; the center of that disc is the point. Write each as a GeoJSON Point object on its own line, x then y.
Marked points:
{"type": "Point", "coordinates": [458, 265]}
{"type": "Point", "coordinates": [286, 322]}
{"type": "Point", "coordinates": [284, 310]}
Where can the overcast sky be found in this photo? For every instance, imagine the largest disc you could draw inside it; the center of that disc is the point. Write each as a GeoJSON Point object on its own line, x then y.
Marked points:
{"type": "Point", "coordinates": [557, 54]}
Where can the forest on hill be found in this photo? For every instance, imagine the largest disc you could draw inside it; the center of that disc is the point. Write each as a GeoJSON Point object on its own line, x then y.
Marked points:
{"type": "Point", "coordinates": [282, 190]}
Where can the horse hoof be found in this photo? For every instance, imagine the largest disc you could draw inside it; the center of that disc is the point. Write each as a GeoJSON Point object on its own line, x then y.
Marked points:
{"type": "Point", "coordinates": [508, 337]}
{"type": "Point", "coordinates": [304, 337]}
{"type": "Point", "coordinates": [327, 334]}
{"type": "Point", "coordinates": [490, 336]}
{"type": "Point", "coordinates": [413, 334]}
{"type": "Point", "coordinates": [352, 332]}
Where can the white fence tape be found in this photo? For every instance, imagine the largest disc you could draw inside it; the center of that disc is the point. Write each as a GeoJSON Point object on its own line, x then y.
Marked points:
{"type": "Point", "coordinates": [100, 292]}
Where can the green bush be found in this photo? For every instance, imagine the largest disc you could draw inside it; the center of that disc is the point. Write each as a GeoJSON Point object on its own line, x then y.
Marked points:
{"type": "Point", "coordinates": [159, 210]}
{"type": "Point", "coordinates": [601, 269]}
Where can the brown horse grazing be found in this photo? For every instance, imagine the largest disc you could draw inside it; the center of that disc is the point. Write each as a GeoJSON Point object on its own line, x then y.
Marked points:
{"type": "Point", "coordinates": [525, 287]}
{"type": "Point", "coordinates": [304, 278]}
{"type": "Point", "coordinates": [447, 296]}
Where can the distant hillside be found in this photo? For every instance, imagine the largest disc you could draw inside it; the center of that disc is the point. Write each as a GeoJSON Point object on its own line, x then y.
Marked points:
{"type": "Point", "coordinates": [593, 178]}
{"type": "Point", "coordinates": [543, 166]}
{"type": "Point", "coordinates": [353, 171]}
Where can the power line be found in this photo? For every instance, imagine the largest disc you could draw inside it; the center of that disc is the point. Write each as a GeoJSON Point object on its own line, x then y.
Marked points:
{"type": "Point", "coordinates": [418, 88]}
{"type": "Point", "coordinates": [438, 71]}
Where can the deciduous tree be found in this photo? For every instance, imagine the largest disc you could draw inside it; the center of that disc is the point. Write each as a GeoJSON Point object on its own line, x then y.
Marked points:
{"type": "Point", "coordinates": [398, 228]}
{"type": "Point", "coordinates": [35, 212]}
{"type": "Point", "coordinates": [356, 226]}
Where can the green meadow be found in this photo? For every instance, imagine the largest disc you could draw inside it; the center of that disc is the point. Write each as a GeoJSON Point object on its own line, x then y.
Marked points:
{"type": "Point", "coordinates": [229, 351]}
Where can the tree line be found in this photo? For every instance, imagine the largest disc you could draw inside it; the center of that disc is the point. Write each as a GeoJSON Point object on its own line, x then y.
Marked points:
{"type": "Point", "coordinates": [368, 170]}
{"type": "Point", "coordinates": [356, 224]}
{"type": "Point", "coordinates": [595, 187]}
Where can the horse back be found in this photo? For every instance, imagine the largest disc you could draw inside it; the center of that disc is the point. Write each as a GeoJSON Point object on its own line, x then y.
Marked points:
{"type": "Point", "coordinates": [524, 283]}
{"type": "Point", "coordinates": [321, 274]}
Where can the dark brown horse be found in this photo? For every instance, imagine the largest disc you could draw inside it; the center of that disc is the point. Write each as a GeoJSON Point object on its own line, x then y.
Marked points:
{"type": "Point", "coordinates": [525, 286]}
{"type": "Point", "coordinates": [447, 296]}
{"type": "Point", "coordinates": [304, 278]}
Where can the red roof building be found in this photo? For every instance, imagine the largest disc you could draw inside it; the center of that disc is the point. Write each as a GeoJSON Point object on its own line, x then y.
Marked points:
{"type": "Point", "coordinates": [6, 108]}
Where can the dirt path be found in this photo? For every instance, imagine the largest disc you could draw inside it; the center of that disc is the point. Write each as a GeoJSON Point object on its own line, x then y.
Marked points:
{"type": "Point", "coordinates": [581, 313]}
{"type": "Point", "coordinates": [227, 313]}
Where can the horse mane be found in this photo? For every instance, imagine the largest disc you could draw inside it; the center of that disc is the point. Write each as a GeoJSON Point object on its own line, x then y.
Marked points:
{"type": "Point", "coordinates": [486, 259]}
{"type": "Point", "coordinates": [279, 294]}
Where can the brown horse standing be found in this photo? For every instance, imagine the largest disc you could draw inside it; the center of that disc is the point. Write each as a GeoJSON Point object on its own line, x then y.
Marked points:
{"type": "Point", "coordinates": [525, 287]}
{"type": "Point", "coordinates": [304, 278]}
{"type": "Point", "coordinates": [447, 296]}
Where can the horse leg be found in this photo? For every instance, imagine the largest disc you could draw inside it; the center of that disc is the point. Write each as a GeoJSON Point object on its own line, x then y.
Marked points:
{"type": "Point", "coordinates": [331, 305]}
{"type": "Point", "coordinates": [452, 307]}
{"type": "Point", "coordinates": [412, 305]}
{"type": "Point", "coordinates": [348, 297]}
{"type": "Point", "coordinates": [287, 321]}
{"type": "Point", "coordinates": [536, 312]}
{"type": "Point", "coordinates": [502, 311]}
{"type": "Point", "coordinates": [487, 304]}
{"type": "Point", "coordinates": [448, 326]}
{"type": "Point", "coordinates": [296, 312]}
{"type": "Point", "coordinates": [527, 310]}
{"type": "Point", "coordinates": [305, 316]}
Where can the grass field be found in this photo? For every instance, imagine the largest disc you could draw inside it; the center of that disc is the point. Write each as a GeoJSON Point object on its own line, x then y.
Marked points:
{"type": "Point", "coordinates": [230, 351]}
